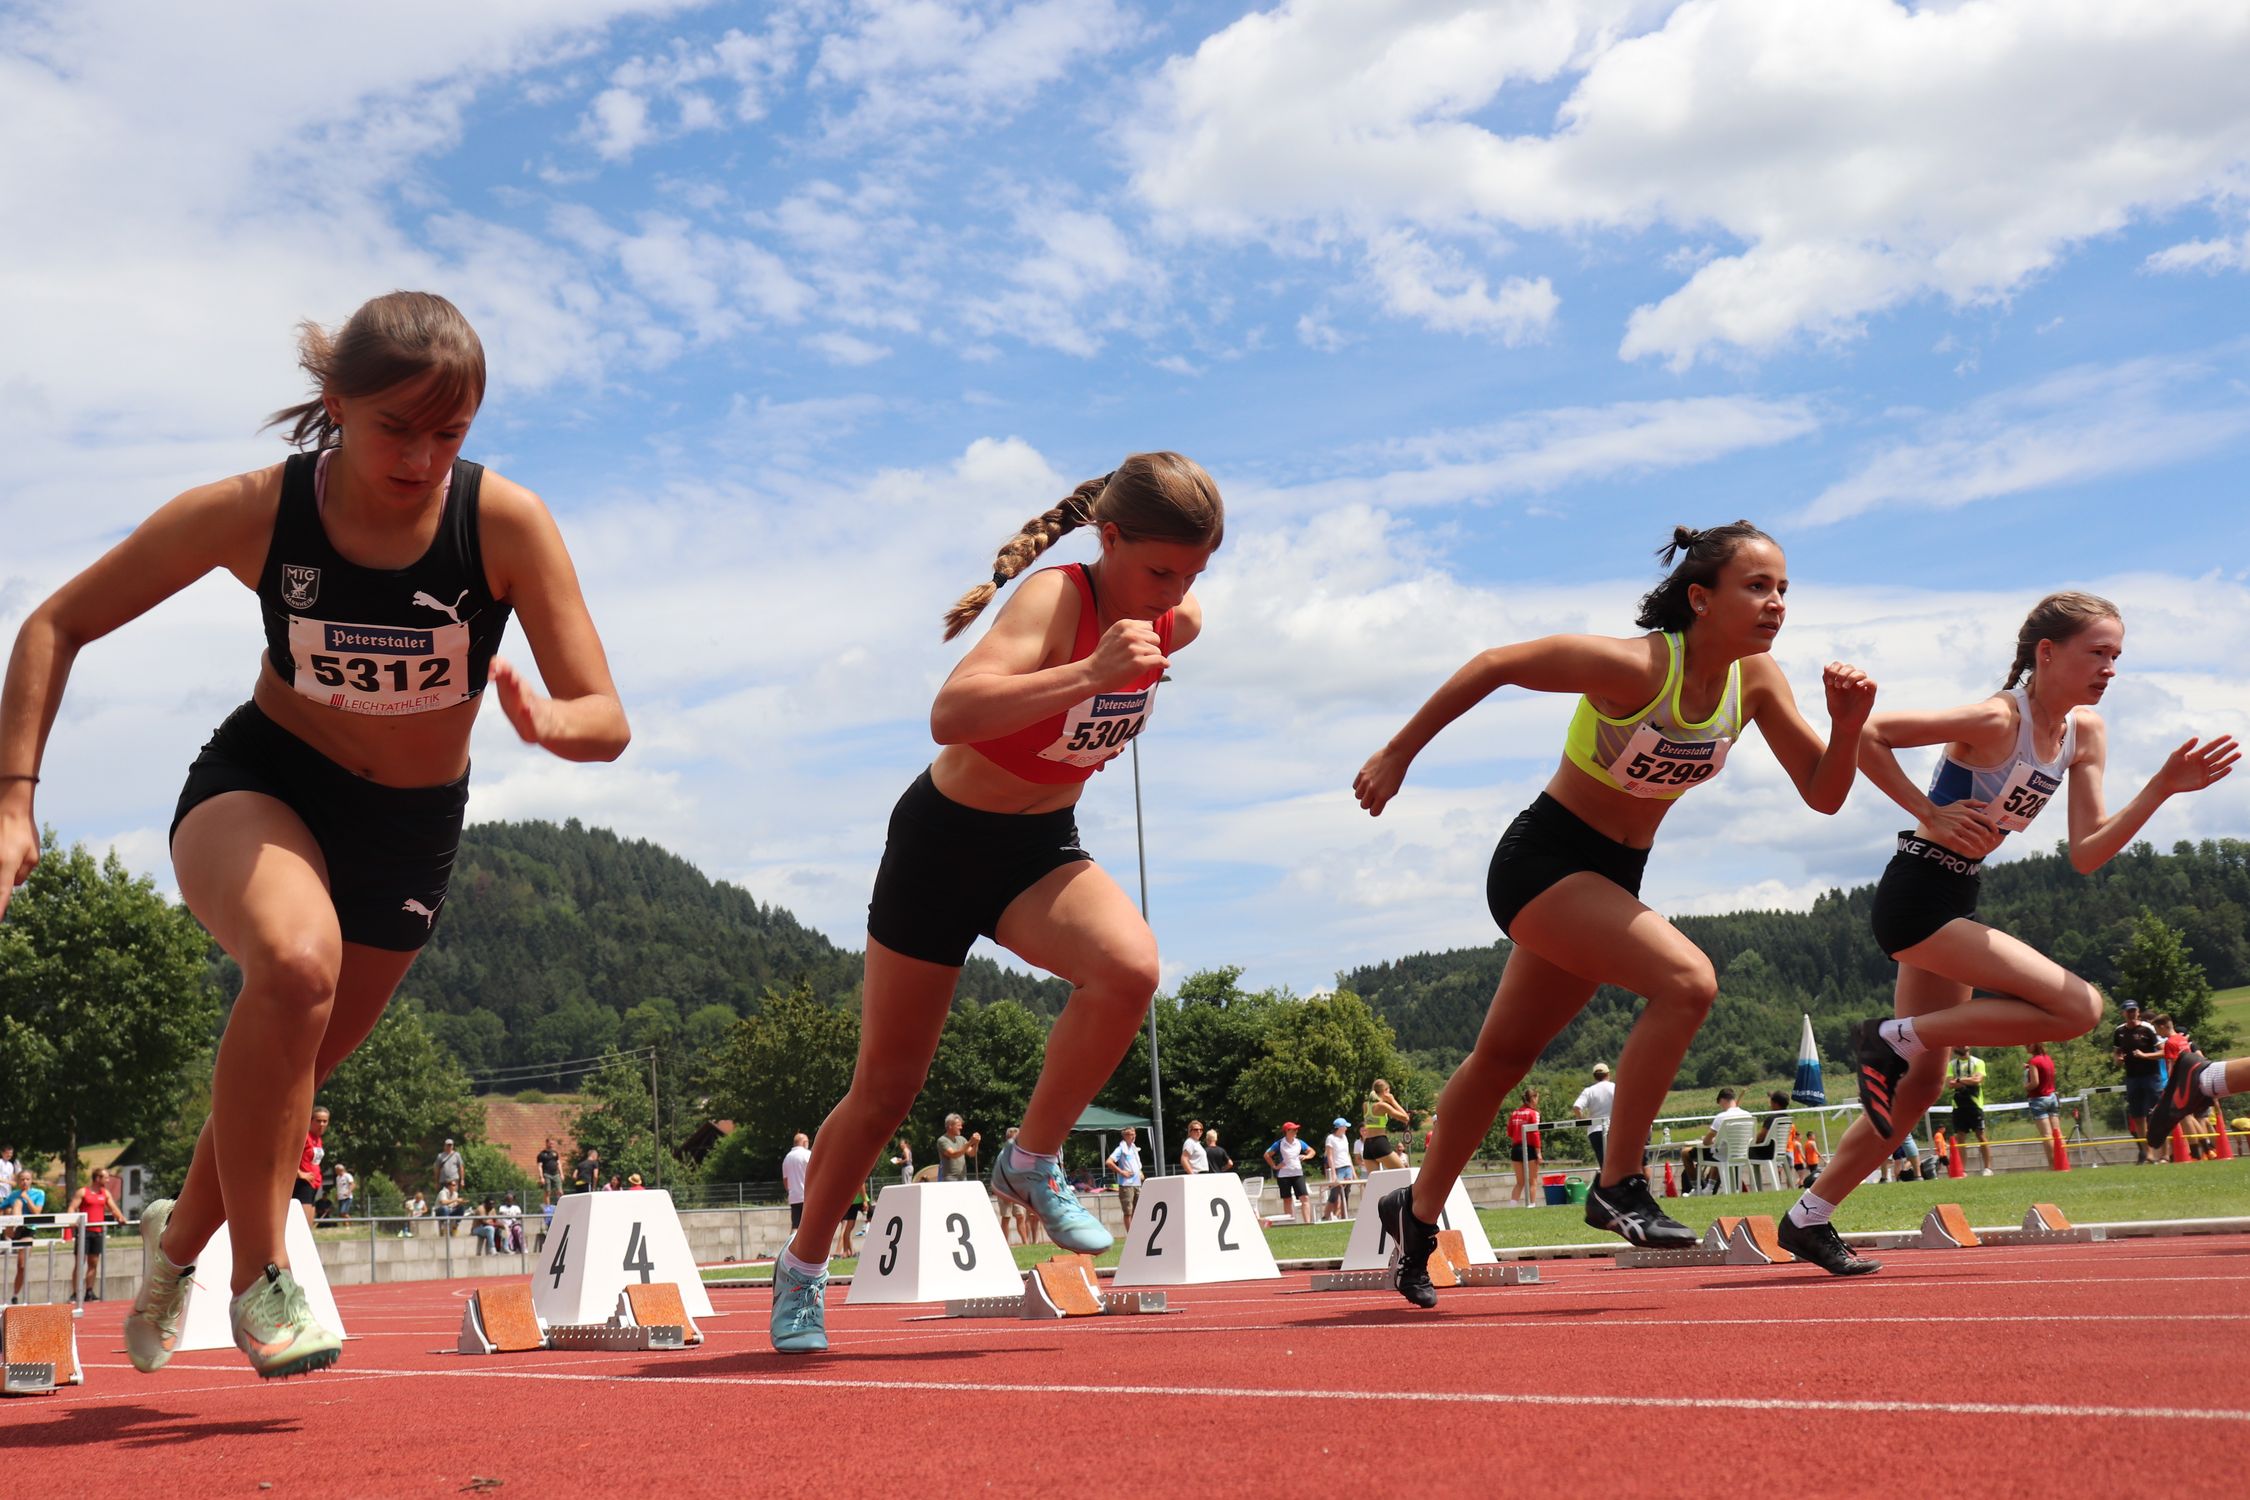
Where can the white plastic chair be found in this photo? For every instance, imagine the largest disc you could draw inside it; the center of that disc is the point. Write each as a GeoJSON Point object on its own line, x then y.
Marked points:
{"type": "Point", "coordinates": [1733, 1147]}
{"type": "Point", "coordinates": [1769, 1162]}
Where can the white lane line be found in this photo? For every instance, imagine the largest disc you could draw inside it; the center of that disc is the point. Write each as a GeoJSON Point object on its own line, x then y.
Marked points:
{"type": "Point", "coordinates": [1414, 1398]}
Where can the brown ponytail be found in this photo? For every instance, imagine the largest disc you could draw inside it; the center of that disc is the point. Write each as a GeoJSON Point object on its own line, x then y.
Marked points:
{"type": "Point", "coordinates": [1159, 497]}
{"type": "Point", "coordinates": [392, 339]}
{"type": "Point", "coordinates": [2057, 617]}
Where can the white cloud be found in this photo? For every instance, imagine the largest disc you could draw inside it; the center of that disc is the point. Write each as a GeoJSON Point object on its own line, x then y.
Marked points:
{"type": "Point", "coordinates": [2204, 255]}
{"type": "Point", "coordinates": [731, 80]}
{"type": "Point", "coordinates": [2082, 424]}
{"type": "Point", "coordinates": [1435, 289]}
{"type": "Point", "coordinates": [844, 349]}
{"type": "Point", "coordinates": [1859, 153]}
{"type": "Point", "coordinates": [1079, 280]}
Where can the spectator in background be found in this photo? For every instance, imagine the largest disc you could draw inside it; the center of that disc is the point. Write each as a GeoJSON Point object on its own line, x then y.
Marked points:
{"type": "Point", "coordinates": [9, 1166]}
{"type": "Point", "coordinates": [1215, 1155]}
{"type": "Point", "coordinates": [94, 1200]}
{"type": "Point", "coordinates": [1378, 1112]}
{"type": "Point", "coordinates": [1125, 1165]}
{"type": "Point", "coordinates": [2174, 1042]}
{"type": "Point", "coordinates": [588, 1173]}
{"type": "Point", "coordinates": [1287, 1158]}
{"type": "Point", "coordinates": [859, 1209]}
{"type": "Point", "coordinates": [1707, 1150]}
{"type": "Point", "coordinates": [417, 1207]}
{"type": "Point", "coordinates": [25, 1202]}
{"type": "Point", "coordinates": [795, 1163]}
{"type": "Point", "coordinates": [954, 1150]}
{"type": "Point", "coordinates": [448, 1168]}
{"type": "Point", "coordinates": [904, 1160]}
{"type": "Point", "coordinates": [632, 1183]}
{"type": "Point", "coordinates": [1336, 1152]}
{"type": "Point", "coordinates": [347, 1188]}
{"type": "Point", "coordinates": [1775, 1141]}
{"type": "Point", "coordinates": [546, 1222]}
{"type": "Point", "coordinates": [1593, 1105]}
{"type": "Point", "coordinates": [1905, 1159]}
{"type": "Point", "coordinates": [2136, 1046]}
{"type": "Point", "coordinates": [1193, 1158]}
{"type": "Point", "coordinates": [1966, 1079]}
{"type": "Point", "coordinates": [550, 1171]}
{"type": "Point", "coordinates": [2039, 1094]}
{"type": "Point", "coordinates": [1523, 1144]}
{"type": "Point", "coordinates": [306, 1189]}
{"type": "Point", "coordinates": [510, 1237]}
{"type": "Point", "coordinates": [449, 1209]}
{"type": "Point", "coordinates": [485, 1228]}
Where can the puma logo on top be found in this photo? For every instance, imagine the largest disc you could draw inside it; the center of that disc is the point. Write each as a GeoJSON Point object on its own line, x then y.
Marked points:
{"type": "Point", "coordinates": [450, 611]}
{"type": "Point", "coordinates": [425, 913]}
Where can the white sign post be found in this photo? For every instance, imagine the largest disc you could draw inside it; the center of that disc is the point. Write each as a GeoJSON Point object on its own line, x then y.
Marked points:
{"type": "Point", "coordinates": [204, 1323]}
{"type": "Point", "coordinates": [1193, 1229]}
{"type": "Point", "coordinates": [1370, 1247]}
{"type": "Point", "coordinates": [933, 1242]}
{"type": "Point", "coordinates": [601, 1242]}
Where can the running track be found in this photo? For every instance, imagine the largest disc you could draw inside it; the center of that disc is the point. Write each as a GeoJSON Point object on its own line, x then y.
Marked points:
{"type": "Point", "coordinates": [2080, 1369]}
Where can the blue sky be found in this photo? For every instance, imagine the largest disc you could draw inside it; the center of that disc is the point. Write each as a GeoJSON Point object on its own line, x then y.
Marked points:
{"type": "Point", "coordinates": [795, 311]}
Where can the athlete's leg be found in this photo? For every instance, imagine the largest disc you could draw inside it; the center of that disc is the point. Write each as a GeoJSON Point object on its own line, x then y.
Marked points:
{"type": "Point", "coordinates": [1076, 923]}
{"type": "Point", "coordinates": [1864, 1149]}
{"type": "Point", "coordinates": [1533, 1002]}
{"type": "Point", "coordinates": [1984, 1151]}
{"type": "Point", "coordinates": [364, 986]}
{"type": "Point", "coordinates": [251, 872]}
{"type": "Point", "coordinates": [902, 1010]}
{"type": "Point", "coordinates": [2023, 995]}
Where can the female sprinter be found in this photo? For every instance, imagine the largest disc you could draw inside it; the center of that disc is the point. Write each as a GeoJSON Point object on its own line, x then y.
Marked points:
{"type": "Point", "coordinates": [2004, 758]}
{"type": "Point", "coordinates": [985, 842]}
{"type": "Point", "coordinates": [316, 833]}
{"type": "Point", "coordinates": [1656, 715]}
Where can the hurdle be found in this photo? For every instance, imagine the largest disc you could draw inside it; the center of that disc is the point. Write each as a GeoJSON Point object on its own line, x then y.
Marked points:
{"type": "Point", "coordinates": [1063, 1287]}
{"type": "Point", "coordinates": [39, 1349]}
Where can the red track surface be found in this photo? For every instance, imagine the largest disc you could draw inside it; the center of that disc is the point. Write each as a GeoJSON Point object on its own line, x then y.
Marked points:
{"type": "Point", "coordinates": [2083, 1369]}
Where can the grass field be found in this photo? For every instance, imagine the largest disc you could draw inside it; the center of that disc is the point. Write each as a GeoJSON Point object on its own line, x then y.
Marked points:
{"type": "Point", "coordinates": [2204, 1190]}
{"type": "Point", "coordinates": [2233, 1007]}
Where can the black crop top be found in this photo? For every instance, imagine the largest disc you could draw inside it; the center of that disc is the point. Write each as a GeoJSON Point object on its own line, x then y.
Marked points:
{"type": "Point", "coordinates": [378, 640]}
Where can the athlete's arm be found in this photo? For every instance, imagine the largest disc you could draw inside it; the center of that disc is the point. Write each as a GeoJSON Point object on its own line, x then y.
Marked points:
{"type": "Point", "coordinates": [1603, 667]}
{"type": "Point", "coordinates": [2095, 837]}
{"type": "Point", "coordinates": [221, 525]}
{"type": "Point", "coordinates": [580, 717]}
{"type": "Point", "coordinates": [1821, 770]}
{"type": "Point", "coordinates": [1004, 682]}
{"type": "Point", "coordinates": [1960, 826]}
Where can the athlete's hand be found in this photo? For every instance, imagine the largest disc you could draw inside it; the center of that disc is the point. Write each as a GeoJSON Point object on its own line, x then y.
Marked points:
{"type": "Point", "coordinates": [19, 848]}
{"type": "Point", "coordinates": [2192, 768]}
{"type": "Point", "coordinates": [1965, 828]}
{"type": "Point", "coordinates": [1127, 652]}
{"type": "Point", "coordinates": [1851, 694]}
{"type": "Point", "coordinates": [529, 710]}
{"type": "Point", "coordinates": [1379, 780]}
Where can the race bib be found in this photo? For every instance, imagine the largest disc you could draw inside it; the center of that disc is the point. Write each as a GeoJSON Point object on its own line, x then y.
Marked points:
{"type": "Point", "coordinates": [1652, 766]}
{"type": "Point", "coordinates": [2022, 797]}
{"type": "Point", "coordinates": [1097, 729]}
{"type": "Point", "coordinates": [380, 669]}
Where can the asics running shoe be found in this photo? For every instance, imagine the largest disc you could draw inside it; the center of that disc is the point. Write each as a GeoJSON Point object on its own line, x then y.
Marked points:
{"type": "Point", "coordinates": [1412, 1241]}
{"type": "Point", "coordinates": [2182, 1096]}
{"type": "Point", "coordinates": [1820, 1245]}
{"type": "Point", "coordinates": [1040, 1188]}
{"type": "Point", "coordinates": [800, 1317]}
{"type": "Point", "coordinates": [1628, 1208]}
{"type": "Point", "coordinates": [1880, 1069]}
{"type": "Point", "coordinates": [152, 1328]}
{"type": "Point", "coordinates": [277, 1330]}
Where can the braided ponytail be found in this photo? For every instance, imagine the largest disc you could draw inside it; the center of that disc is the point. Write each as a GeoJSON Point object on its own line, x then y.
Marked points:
{"type": "Point", "coordinates": [1149, 497]}
{"type": "Point", "coordinates": [2057, 617]}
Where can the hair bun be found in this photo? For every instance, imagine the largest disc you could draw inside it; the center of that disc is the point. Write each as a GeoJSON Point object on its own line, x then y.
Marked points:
{"type": "Point", "coordinates": [1684, 537]}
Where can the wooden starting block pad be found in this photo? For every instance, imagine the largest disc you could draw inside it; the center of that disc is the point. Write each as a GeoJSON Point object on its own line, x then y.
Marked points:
{"type": "Point", "coordinates": [1742, 1242]}
{"type": "Point", "coordinates": [500, 1320]}
{"type": "Point", "coordinates": [1945, 1227]}
{"type": "Point", "coordinates": [1064, 1287]}
{"type": "Point", "coordinates": [656, 1305]}
{"type": "Point", "coordinates": [39, 1346]}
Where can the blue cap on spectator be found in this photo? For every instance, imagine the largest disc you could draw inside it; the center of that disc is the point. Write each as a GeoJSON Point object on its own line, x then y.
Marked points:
{"type": "Point", "coordinates": [1341, 1123]}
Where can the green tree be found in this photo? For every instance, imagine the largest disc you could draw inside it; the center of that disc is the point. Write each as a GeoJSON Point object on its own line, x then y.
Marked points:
{"type": "Point", "coordinates": [1319, 1057]}
{"type": "Point", "coordinates": [617, 1118]}
{"type": "Point", "coordinates": [394, 1101]}
{"type": "Point", "coordinates": [988, 1059]}
{"type": "Point", "coordinates": [2154, 968]}
{"type": "Point", "coordinates": [105, 999]}
{"type": "Point", "coordinates": [490, 1172]}
{"type": "Point", "coordinates": [780, 1072]}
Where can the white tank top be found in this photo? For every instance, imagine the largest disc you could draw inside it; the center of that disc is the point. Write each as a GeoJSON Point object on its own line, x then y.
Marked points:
{"type": "Point", "coordinates": [2018, 788]}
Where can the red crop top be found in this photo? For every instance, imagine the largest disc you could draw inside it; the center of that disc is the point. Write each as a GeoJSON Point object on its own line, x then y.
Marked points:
{"type": "Point", "coordinates": [1072, 745]}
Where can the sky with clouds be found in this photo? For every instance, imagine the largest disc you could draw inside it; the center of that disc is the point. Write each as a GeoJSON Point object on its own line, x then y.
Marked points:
{"type": "Point", "coordinates": [795, 311]}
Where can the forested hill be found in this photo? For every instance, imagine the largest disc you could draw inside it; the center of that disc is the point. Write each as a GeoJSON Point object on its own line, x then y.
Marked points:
{"type": "Point", "coordinates": [1774, 965]}
{"type": "Point", "coordinates": [552, 934]}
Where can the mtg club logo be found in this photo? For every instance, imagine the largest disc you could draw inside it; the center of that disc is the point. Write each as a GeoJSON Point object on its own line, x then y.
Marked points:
{"type": "Point", "coordinates": [300, 586]}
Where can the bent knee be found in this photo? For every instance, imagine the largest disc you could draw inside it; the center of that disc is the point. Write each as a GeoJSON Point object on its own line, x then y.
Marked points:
{"type": "Point", "coordinates": [2081, 1009]}
{"type": "Point", "coordinates": [296, 978]}
{"type": "Point", "coordinates": [1692, 989]}
{"type": "Point", "coordinates": [1126, 976]}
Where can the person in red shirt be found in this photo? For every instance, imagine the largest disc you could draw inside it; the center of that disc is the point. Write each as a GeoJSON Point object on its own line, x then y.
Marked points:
{"type": "Point", "coordinates": [306, 1189]}
{"type": "Point", "coordinates": [95, 1202]}
{"type": "Point", "coordinates": [1523, 1144]}
{"type": "Point", "coordinates": [2039, 1090]}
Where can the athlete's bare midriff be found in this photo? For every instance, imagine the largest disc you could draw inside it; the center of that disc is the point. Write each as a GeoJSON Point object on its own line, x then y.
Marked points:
{"type": "Point", "coordinates": [427, 749]}
{"type": "Point", "coordinates": [966, 777]}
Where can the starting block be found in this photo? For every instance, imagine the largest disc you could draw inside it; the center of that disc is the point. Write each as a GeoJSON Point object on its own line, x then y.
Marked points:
{"type": "Point", "coordinates": [1722, 1228]}
{"type": "Point", "coordinates": [1489, 1273]}
{"type": "Point", "coordinates": [2043, 1224]}
{"type": "Point", "coordinates": [1945, 1227]}
{"type": "Point", "coordinates": [500, 1320]}
{"type": "Point", "coordinates": [1752, 1243]}
{"type": "Point", "coordinates": [39, 1346]}
{"type": "Point", "coordinates": [1064, 1287]}
{"type": "Point", "coordinates": [616, 1336]}
{"type": "Point", "coordinates": [656, 1305]}
{"type": "Point", "coordinates": [1730, 1241]}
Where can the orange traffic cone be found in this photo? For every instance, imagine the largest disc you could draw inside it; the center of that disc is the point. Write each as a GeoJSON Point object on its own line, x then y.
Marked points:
{"type": "Point", "coordinates": [1671, 1187]}
{"type": "Point", "coordinates": [2061, 1151]}
{"type": "Point", "coordinates": [2179, 1145]}
{"type": "Point", "coordinates": [1954, 1166]}
{"type": "Point", "coordinates": [2224, 1149]}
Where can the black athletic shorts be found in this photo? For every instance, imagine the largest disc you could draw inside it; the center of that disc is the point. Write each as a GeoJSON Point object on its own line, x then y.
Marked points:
{"type": "Point", "coordinates": [93, 1242]}
{"type": "Point", "coordinates": [1968, 1119]}
{"type": "Point", "coordinates": [1925, 886]}
{"type": "Point", "coordinates": [949, 872]}
{"type": "Point", "coordinates": [1291, 1187]}
{"type": "Point", "coordinates": [2141, 1093]}
{"type": "Point", "coordinates": [389, 849]}
{"type": "Point", "coordinates": [302, 1191]}
{"type": "Point", "coordinates": [1546, 843]}
{"type": "Point", "coordinates": [1374, 1148]}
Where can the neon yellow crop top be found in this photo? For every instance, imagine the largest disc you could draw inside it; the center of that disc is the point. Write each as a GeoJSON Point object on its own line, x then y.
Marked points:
{"type": "Point", "coordinates": [1657, 753]}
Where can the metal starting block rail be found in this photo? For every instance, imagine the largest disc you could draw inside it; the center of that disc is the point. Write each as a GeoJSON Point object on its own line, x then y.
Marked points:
{"type": "Point", "coordinates": [616, 1336]}
{"type": "Point", "coordinates": [1741, 1242]}
{"type": "Point", "coordinates": [1060, 1288]}
{"type": "Point", "coordinates": [1379, 1279]}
